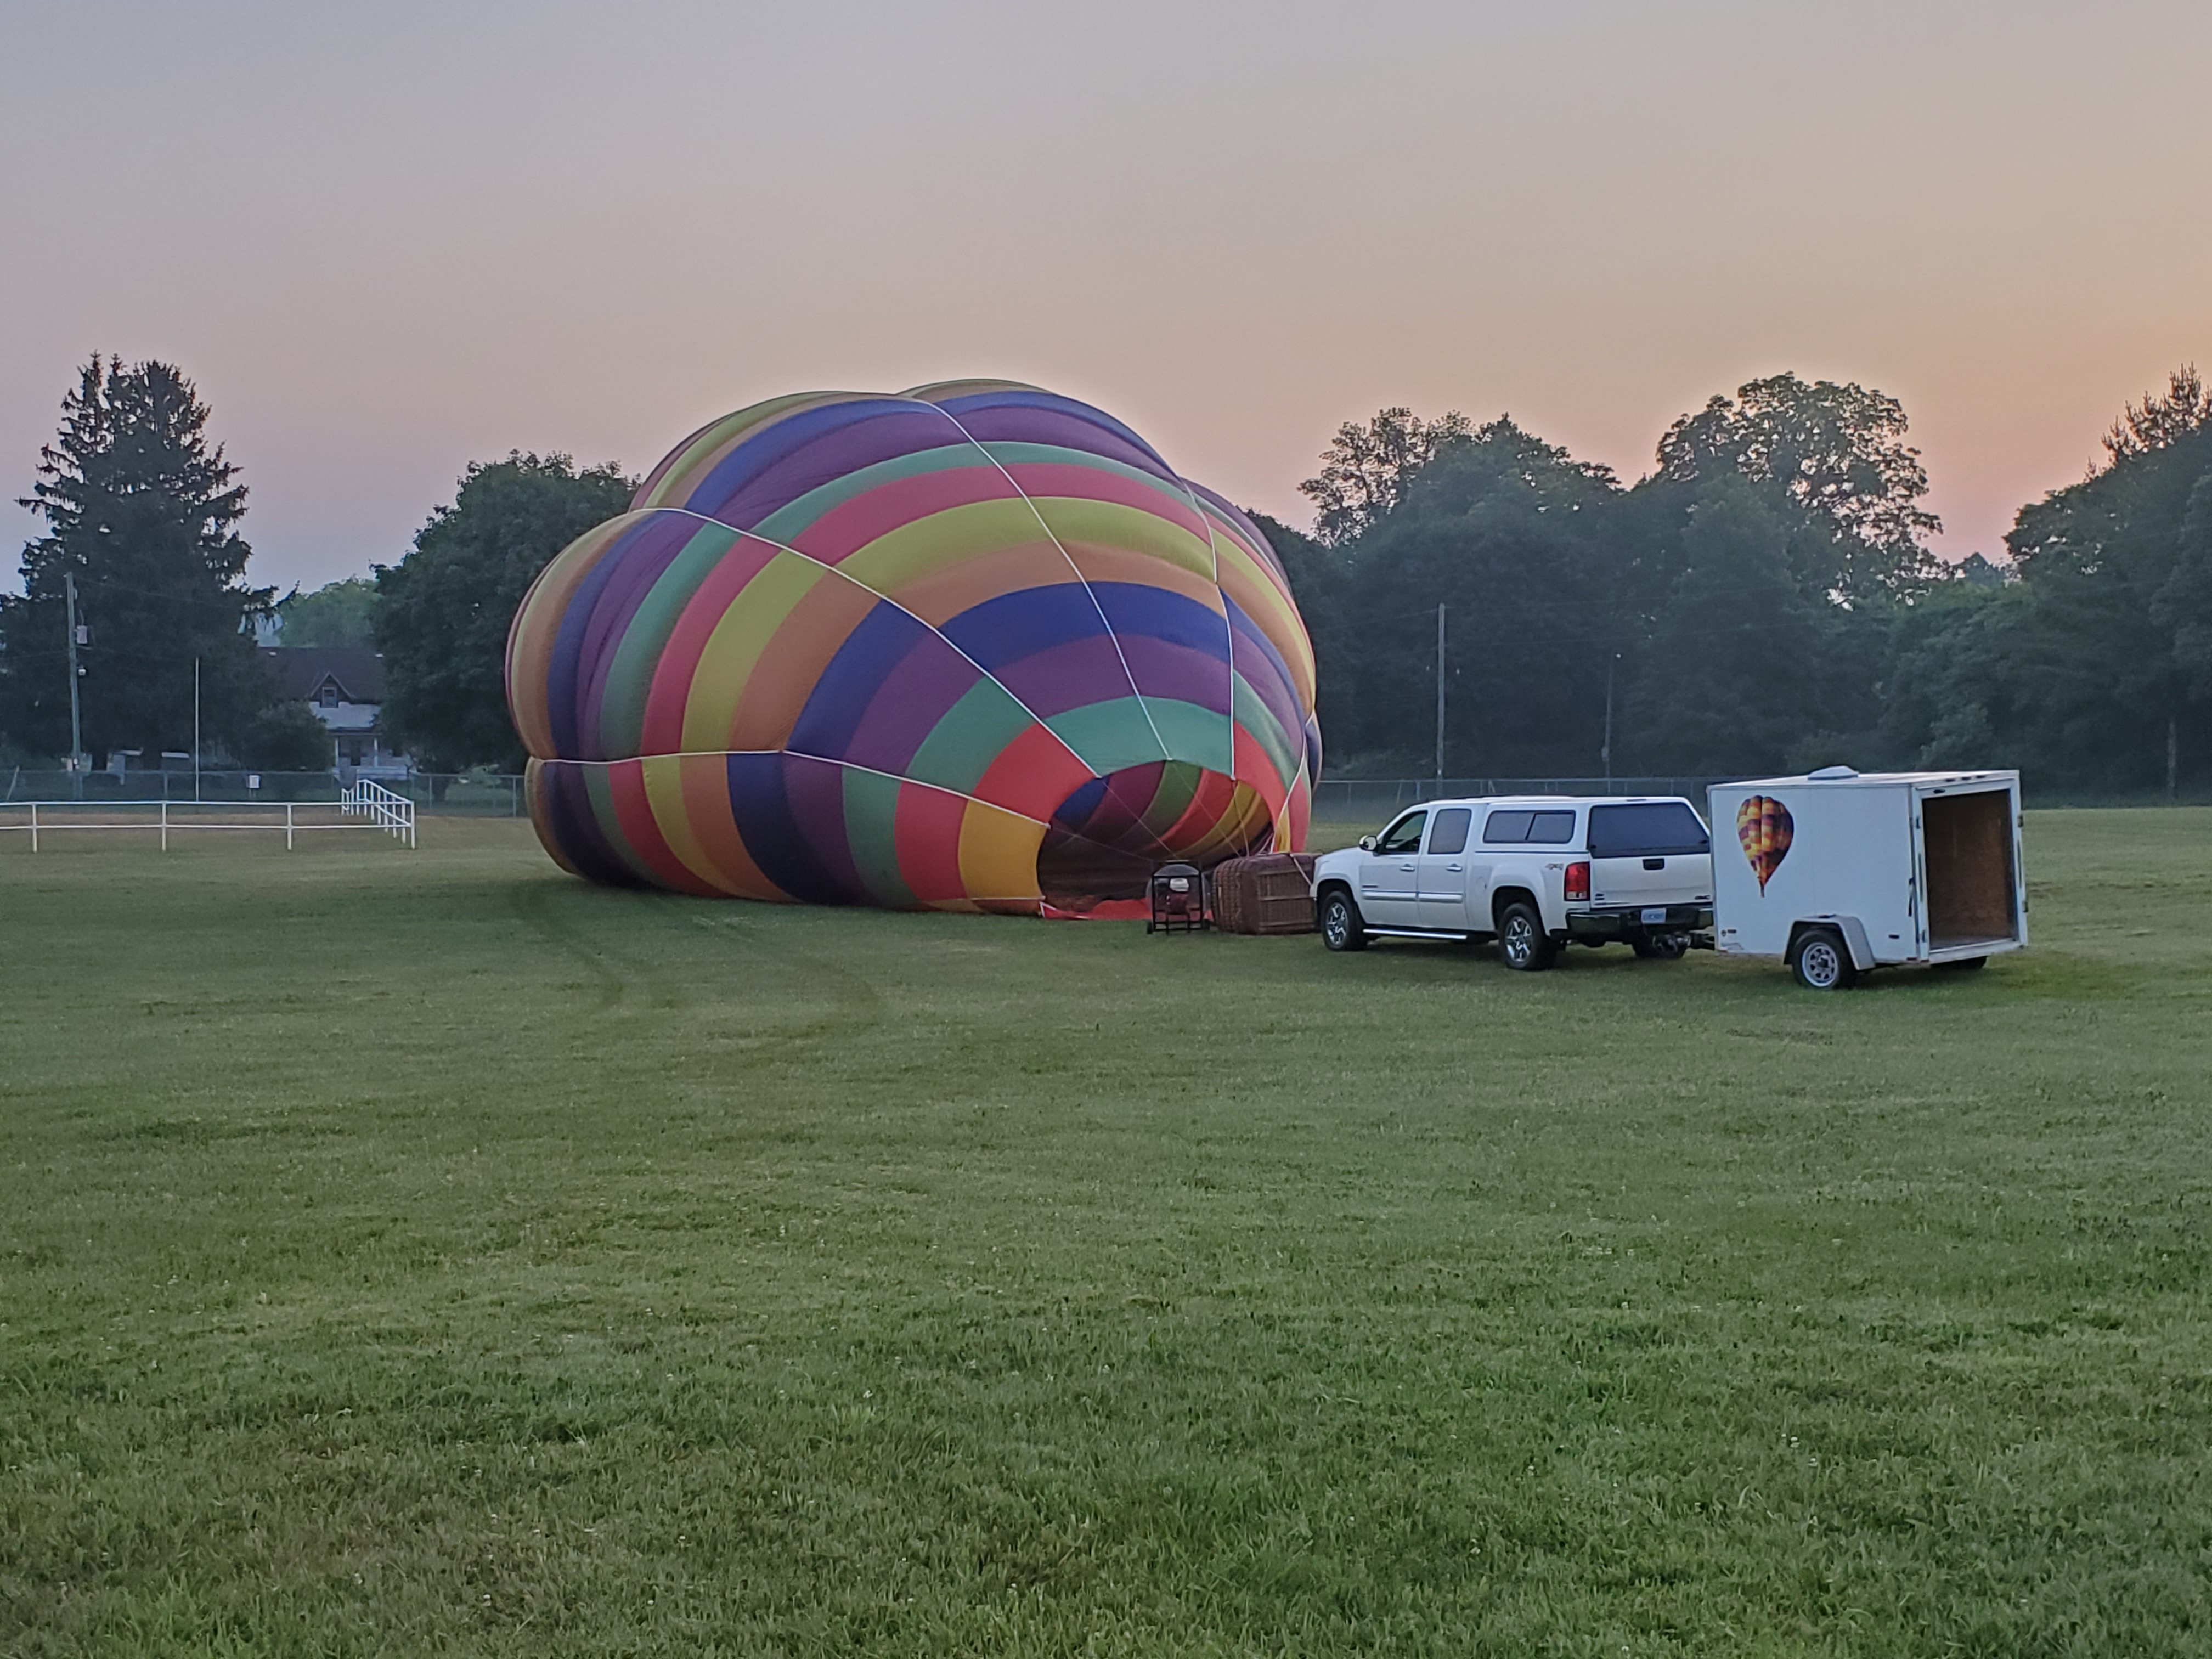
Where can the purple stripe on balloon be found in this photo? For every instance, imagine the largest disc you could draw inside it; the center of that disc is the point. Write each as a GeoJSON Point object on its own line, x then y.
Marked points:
{"type": "Point", "coordinates": [996, 410]}
{"type": "Point", "coordinates": [816, 791]}
{"type": "Point", "coordinates": [914, 697]}
{"type": "Point", "coordinates": [1266, 672]}
{"type": "Point", "coordinates": [647, 553]}
{"type": "Point", "coordinates": [875, 433]}
{"type": "Point", "coordinates": [1002, 424]}
{"type": "Point", "coordinates": [1162, 668]}
{"type": "Point", "coordinates": [1068, 676]}
{"type": "Point", "coordinates": [574, 824]}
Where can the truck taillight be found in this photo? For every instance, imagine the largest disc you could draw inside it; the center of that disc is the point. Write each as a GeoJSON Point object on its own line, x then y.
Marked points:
{"type": "Point", "coordinates": [1578, 881]}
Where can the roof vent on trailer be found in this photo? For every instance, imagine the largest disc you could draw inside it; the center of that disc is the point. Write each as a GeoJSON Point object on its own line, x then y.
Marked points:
{"type": "Point", "coordinates": [1831, 774]}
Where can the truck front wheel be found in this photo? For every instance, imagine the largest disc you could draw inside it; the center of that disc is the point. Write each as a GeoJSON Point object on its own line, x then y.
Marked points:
{"type": "Point", "coordinates": [1822, 961]}
{"type": "Point", "coordinates": [1341, 928]}
{"type": "Point", "coordinates": [1523, 944]}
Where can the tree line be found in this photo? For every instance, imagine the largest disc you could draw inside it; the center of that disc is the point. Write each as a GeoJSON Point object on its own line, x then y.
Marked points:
{"type": "Point", "coordinates": [1763, 599]}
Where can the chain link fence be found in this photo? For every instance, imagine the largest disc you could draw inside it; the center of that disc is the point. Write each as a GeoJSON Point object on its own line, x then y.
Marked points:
{"type": "Point", "coordinates": [1362, 798]}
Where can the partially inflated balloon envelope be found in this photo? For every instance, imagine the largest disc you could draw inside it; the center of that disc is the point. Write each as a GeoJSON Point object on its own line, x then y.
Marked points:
{"type": "Point", "coordinates": [1763, 827]}
{"type": "Point", "coordinates": [970, 647]}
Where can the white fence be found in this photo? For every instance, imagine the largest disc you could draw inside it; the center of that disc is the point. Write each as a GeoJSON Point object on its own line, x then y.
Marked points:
{"type": "Point", "coordinates": [357, 810]}
{"type": "Point", "coordinates": [385, 809]}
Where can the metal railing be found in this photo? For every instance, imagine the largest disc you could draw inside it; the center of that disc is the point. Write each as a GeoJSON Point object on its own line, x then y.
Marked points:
{"type": "Point", "coordinates": [385, 808]}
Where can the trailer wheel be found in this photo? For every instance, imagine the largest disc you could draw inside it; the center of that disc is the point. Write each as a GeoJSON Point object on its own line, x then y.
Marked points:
{"type": "Point", "coordinates": [1964, 965]}
{"type": "Point", "coordinates": [1523, 944]}
{"type": "Point", "coordinates": [1822, 961]}
{"type": "Point", "coordinates": [1341, 928]}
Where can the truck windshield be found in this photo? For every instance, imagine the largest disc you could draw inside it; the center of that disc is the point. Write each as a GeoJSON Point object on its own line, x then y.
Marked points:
{"type": "Point", "coordinates": [1646, 829]}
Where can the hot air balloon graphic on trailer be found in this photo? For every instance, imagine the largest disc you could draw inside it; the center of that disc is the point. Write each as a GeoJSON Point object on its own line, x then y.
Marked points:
{"type": "Point", "coordinates": [1763, 827]}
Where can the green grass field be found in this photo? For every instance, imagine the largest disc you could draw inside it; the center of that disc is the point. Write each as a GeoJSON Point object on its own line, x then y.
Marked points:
{"type": "Point", "coordinates": [423, 1252]}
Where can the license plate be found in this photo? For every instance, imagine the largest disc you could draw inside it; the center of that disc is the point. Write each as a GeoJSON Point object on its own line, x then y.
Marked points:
{"type": "Point", "coordinates": [1656, 913]}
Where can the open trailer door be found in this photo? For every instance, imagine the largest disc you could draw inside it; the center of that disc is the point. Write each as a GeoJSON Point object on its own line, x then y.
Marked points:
{"type": "Point", "coordinates": [1975, 894]}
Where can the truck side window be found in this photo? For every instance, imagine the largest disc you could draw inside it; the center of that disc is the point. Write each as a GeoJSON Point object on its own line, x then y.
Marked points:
{"type": "Point", "coordinates": [1448, 833]}
{"type": "Point", "coordinates": [1551, 828]}
{"type": "Point", "coordinates": [1646, 829]}
{"type": "Point", "coordinates": [1403, 837]}
{"type": "Point", "coordinates": [1506, 828]}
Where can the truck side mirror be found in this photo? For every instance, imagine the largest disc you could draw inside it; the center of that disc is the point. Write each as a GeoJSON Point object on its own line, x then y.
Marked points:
{"type": "Point", "coordinates": [1367, 843]}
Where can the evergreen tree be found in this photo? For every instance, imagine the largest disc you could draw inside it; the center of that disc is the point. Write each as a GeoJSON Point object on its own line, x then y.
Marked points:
{"type": "Point", "coordinates": [143, 511]}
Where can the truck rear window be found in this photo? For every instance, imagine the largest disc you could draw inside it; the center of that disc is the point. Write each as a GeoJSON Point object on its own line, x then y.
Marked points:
{"type": "Point", "coordinates": [1646, 829]}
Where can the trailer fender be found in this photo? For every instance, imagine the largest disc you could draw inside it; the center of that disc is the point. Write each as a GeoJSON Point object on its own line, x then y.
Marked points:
{"type": "Point", "coordinates": [1853, 930]}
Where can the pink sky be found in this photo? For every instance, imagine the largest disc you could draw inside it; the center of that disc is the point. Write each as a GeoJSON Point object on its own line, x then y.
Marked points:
{"type": "Point", "coordinates": [388, 238]}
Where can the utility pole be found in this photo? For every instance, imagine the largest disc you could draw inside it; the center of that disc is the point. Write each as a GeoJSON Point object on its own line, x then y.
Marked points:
{"type": "Point", "coordinates": [195, 729]}
{"type": "Point", "coordinates": [1440, 693]}
{"type": "Point", "coordinates": [76, 730]}
{"type": "Point", "coordinates": [1605, 754]}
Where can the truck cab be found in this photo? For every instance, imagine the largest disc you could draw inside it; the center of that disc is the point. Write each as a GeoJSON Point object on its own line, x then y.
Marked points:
{"type": "Point", "coordinates": [1534, 872]}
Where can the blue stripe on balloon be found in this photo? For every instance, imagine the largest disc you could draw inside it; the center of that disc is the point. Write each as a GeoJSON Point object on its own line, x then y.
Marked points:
{"type": "Point", "coordinates": [1160, 613]}
{"type": "Point", "coordinates": [1017, 625]}
{"type": "Point", "coordinates": [760, 804]}
{"type": "Point", "coordinates": [885, 637]}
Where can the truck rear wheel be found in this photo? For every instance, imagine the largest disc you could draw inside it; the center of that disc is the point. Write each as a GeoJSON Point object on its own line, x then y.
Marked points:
{"type": "Point", "coordinates": [1341, 928]}
{"type": "Point", "coordinates": [1523, 944]}
{"type": "Point", "coordinates": [1822, 961]}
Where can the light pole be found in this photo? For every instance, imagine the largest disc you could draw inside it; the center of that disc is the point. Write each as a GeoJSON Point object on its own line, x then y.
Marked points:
{"type": "Point", "coordinates": [76, 727]}
{"type": "Point", "coordinates": [196, 730]}
{"type": "Point", "coordinates": [1440, 693]}
{"type": "Point", "coordinates": [1605, 754]}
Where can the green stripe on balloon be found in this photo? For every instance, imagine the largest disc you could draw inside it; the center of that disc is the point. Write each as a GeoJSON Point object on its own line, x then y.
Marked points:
{"type": "Point", "coordinates": [871, 835]}
{"type": "Point", "coordinates": [972, 734]}
{"type": "Point", "coordinates": [629, 677]}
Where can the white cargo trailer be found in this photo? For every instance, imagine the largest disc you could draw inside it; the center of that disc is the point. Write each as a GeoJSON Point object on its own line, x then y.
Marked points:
{"type": "Point", "coordinates": [1840, 872]}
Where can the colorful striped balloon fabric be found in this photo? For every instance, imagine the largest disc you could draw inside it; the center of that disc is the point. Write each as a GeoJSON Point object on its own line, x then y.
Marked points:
{"type": "Point", "coordinates": [972, 646]}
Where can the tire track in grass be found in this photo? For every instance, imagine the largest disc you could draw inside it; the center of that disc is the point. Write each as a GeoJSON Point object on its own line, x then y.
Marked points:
{"type": "Point", "coordinates": [838, 997]}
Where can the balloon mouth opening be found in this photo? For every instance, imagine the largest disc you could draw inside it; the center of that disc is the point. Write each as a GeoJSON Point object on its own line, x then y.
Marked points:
{"type": "Point", "coordinates": [1105, 841]}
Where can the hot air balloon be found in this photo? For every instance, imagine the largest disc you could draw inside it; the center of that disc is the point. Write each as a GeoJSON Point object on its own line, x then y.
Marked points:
{"type": "Point", "coordinates": [975, 646]}
{"type": "Point", "coordinates": [1762, 826]}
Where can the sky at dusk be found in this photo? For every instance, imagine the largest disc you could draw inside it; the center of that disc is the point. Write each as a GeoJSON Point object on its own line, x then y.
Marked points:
{"type": "Point", "coordinates": [386, 239]}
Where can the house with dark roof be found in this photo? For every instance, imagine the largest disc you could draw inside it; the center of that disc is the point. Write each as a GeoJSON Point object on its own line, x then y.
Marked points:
{"type": "Point", "coordinates": [344, 686]}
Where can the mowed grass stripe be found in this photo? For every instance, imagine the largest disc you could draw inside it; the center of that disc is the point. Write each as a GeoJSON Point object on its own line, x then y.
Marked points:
{"type": "Point", "coordinates": [424, 1252]}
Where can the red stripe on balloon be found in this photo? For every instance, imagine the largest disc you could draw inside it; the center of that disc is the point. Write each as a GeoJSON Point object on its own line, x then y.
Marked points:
{"type": "Point", "coordinates": [641, 830]}
{"type": "Point", "coordinates": [662, 733]}
{"type": "Point", "coordinates": [926, 835]}
{"type": "Point", "coordinates": [850, 525]}
{"type": "Point", "coordinates": [1032, 776]}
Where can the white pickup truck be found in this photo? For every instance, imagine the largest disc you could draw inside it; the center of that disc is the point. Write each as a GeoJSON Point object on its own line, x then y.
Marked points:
{"type": "Point", "coordinates": [1534, 871]}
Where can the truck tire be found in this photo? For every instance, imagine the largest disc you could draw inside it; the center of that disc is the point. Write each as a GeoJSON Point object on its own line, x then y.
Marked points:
{"type": "Point", "coordinates": [1659, 947]}
{"type": "Point", "coordinates": [1821, 961]}
{"type": "Point", "coordinates": [1341, 928]}
{"type": "Point", "coordinates": [1522, 944]}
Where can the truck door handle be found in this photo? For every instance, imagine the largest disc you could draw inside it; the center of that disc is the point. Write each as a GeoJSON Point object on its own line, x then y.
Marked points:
{"type": "Point", "coordinates": [1655, 864]}
{"type": "Point", "coordinates": [1455, 868]}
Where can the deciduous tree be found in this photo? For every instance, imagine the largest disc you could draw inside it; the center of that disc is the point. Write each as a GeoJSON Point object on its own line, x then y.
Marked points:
{"type": "Point", "coordinates": [445, 608]}
{"type": "Point", "coordinates": [1366, 469]}
{"type": "Point", "coordinates": [1838, 450]}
